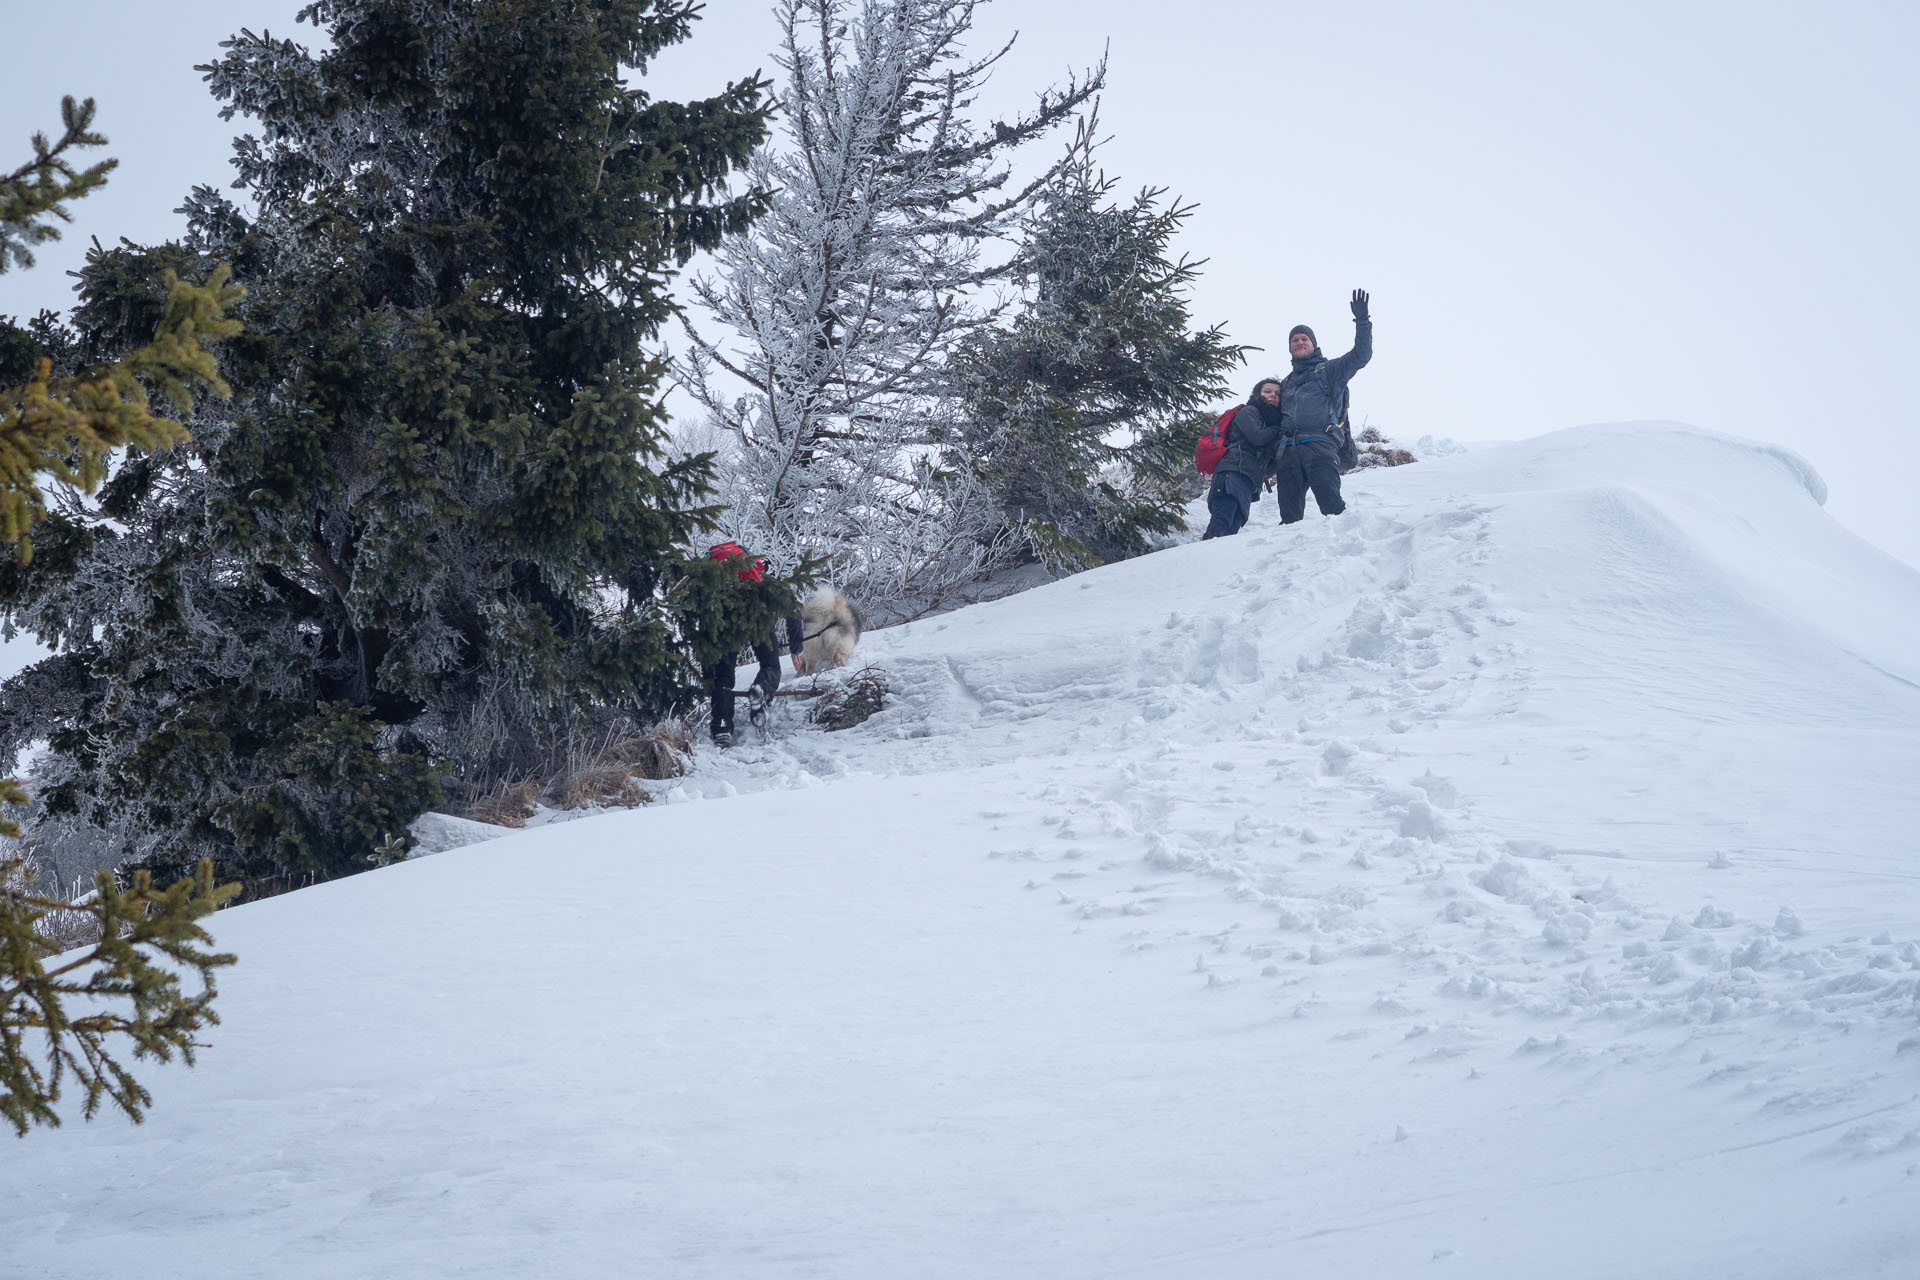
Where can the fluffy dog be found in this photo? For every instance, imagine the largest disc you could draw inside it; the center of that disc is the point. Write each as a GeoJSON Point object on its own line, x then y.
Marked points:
{"type": "Point", "coordinates": [831, 627]}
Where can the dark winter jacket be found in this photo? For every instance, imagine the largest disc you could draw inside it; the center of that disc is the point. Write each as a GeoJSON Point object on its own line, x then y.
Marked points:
{"type": "Point", "coordinates": [1253, 438]}
{"type": "Point", "coordinates": [1316, 391]}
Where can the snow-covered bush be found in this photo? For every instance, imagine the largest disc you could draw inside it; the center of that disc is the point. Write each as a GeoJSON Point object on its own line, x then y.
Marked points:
{"type": "Point", "coordinates": [1377, 451]}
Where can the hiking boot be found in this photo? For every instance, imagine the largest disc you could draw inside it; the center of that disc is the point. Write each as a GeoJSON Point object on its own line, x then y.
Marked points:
{"type": "Point", "coordinates": [723, 738]}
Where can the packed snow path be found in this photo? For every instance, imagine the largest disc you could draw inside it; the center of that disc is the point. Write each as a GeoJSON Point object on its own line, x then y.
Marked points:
{"type": "Point", "coordinates": [1574, 726]}
{"type": "Point", "coordinates": [1514, 876]}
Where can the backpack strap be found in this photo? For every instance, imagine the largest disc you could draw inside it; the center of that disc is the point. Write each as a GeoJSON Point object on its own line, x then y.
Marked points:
{"type": "Point", "coordinates": [1339, 401]}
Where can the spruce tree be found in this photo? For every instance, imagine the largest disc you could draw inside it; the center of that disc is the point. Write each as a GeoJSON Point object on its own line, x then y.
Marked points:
{"type": "Point", "coordinates": [425, 539]}
{"type": "Point", "coordinates": [1083, 410]}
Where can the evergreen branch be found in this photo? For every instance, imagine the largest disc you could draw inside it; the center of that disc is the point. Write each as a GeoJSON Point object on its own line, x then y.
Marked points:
{"type": "Point", "coordinates": [66, 428]}
{"type": "Point", "coordinates": [146, 936]}
{"type": "Point", "coordinates": [11, 794]}
{"type": "Point", "coordinates": [43, 186]}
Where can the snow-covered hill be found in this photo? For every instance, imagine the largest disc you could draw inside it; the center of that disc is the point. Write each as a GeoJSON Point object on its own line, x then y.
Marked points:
{"type": "Point", "coordinates": [1516, 876]}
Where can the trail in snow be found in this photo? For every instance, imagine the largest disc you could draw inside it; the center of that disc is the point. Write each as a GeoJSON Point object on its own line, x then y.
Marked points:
{"type": "Point", "coordinates": [1534, 731]}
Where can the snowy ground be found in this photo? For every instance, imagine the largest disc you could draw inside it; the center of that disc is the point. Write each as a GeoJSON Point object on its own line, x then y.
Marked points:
{"type": "Point", "coordinates": [1516, 876]}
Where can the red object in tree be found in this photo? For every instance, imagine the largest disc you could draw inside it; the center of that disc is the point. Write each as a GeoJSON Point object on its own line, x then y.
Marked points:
{"type": "Point", "coordinates": [729, 550]}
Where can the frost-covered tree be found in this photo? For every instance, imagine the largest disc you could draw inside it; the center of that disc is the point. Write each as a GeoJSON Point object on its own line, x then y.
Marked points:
{"type": "Point", "coordinates": [1081, 412]}
{"type": "Point", "coordinates": [422, 541]}
{"type": "Point", "coordinates": [832, 321]}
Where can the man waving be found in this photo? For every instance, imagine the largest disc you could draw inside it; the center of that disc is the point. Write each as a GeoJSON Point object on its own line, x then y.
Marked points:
{"type": "Point", "coordinates": [1313, 398]}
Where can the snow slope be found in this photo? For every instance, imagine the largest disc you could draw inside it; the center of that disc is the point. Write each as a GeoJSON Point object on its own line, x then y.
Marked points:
{"type": "Point", "coordinates": [1514, 876]}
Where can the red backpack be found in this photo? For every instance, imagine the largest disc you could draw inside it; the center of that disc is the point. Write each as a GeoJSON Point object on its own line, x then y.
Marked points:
{"type": "Point", "coordinates": [1212, 444]}
{"type": "Point", "coordinates": [728, 551]}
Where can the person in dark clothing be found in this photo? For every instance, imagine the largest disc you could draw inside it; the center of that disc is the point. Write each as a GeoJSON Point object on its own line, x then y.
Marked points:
{"type": "Point", "coordinates": [738, 606]}
{"type": "Point", "coordinates": [720, 676]}
{"type": "Point", "coordinates": [1312, 399]}
{"type": "Point", "coordinates": [1253, 436]}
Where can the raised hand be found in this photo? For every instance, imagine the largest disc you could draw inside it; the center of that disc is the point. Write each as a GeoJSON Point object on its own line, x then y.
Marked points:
{"type": "Point", "coordinates": [1359, 304]}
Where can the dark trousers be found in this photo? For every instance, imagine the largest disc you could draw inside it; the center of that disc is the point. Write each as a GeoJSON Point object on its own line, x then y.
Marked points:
{"type": "Point", "coordinates": [720, 684]}
{"type": "Point", "coordinates": [1229, 501]}
{"type": "Point", "coordinates": [1308, 464]}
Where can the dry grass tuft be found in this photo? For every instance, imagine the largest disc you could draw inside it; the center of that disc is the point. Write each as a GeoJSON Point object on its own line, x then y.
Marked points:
{"type": "Point", "coordinates": [68, 930]}
{"type": "Point", "coordinates": [63, 930]}
{"type": "Point", "coordinates": [1378, 451]}
{"type": "Point", "coordinates": [607, 770]}
{"type": "Point", "coordinates": [509, 804]}
{"type": "Point", "coordinates": [617, 772]}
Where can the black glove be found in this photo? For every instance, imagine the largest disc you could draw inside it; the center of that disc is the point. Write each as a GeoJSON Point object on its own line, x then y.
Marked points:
{"type": "Point", "coordinates": [1359, 304]}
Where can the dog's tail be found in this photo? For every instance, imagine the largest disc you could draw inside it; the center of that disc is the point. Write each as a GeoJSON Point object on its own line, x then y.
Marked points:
{"type": "Point", "coordinates": [831, 627]}
{"type": "Point", "coordinates": [827, 610]}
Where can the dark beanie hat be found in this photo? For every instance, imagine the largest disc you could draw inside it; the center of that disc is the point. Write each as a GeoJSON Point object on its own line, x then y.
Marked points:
{"type": "Point", "coordinates": [1300, 328]}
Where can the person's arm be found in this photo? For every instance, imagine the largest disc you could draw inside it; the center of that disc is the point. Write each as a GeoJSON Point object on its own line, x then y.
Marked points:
{"type": "Point", "coordinates": [1344, 367]}
{"type": "Point", "coordinates": [796, 641]}
{"type": "Point", "coordinates": [1253, 429]}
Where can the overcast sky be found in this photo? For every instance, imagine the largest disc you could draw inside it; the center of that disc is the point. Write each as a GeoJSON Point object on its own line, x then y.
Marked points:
{"type": "Point", "coordinates": [1695, 210]}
